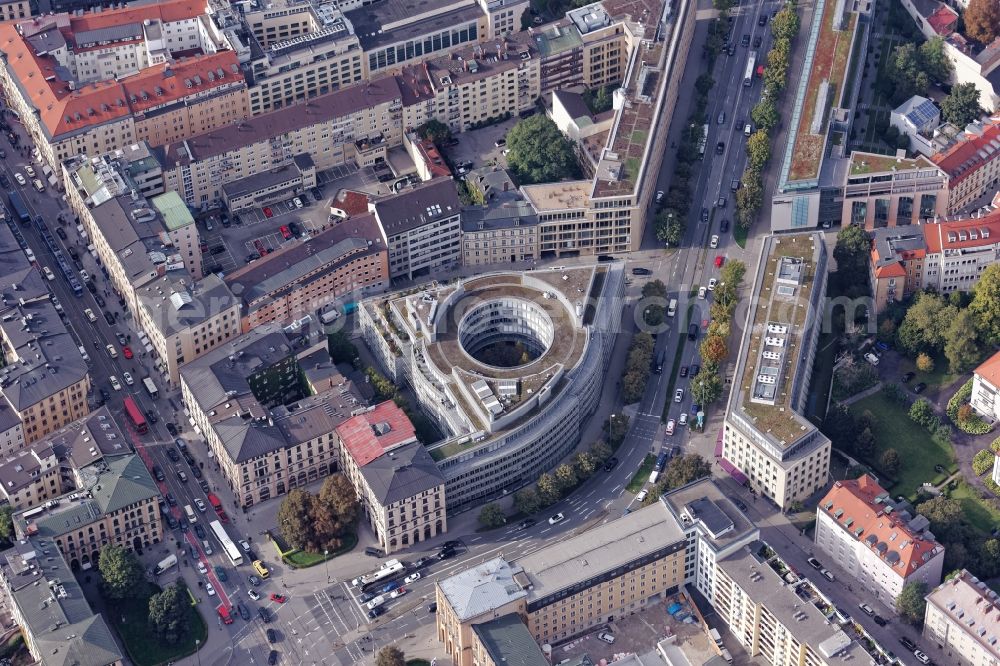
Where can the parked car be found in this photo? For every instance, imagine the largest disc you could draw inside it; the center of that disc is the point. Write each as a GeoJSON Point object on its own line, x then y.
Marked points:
{"type": "Point", "coordinates": [253, 594]}
{"type": "Point", "coordinates": [641, 496]}
{"type": "Point", "coordinates": [907, 377]}
{"type": "Point", "coordinates": [866, 609]}
{"type": "Point", "coordinates": [641, 271]}
{"type": "Point", "coordinates": [607, 637]}
{"type": "Point", "coordinates": [814, 563]}
{"type": "Point", "coordinates": [611, 464]}
{"type": "Point", "coordinates": [880, 621]}
{"type": "Point", "coordinates": [828, 575]}
{"type": "Point", "coordinates": [907, 643]}
{"type": "Point", "coordinates": [278, 598]}
{"type": "Point", "coordinates": [919, 388]}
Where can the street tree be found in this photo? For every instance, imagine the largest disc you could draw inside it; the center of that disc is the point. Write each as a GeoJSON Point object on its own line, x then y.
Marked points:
{"type": "Point", "coordinates": [584, 464]}
{"type": "Point", "coordinates": [654, 289]}
{"type": "Point", "coordinates": [684, 469]}
{"type": "Point", "coordinates": [713, 350]}
{"type": "Point", "coordinates": [749, 199]}
{"type": "Point", "coordinates": [669, 227]}
{"type": "Point", "coordinates": [390, 655]}
{"type": "Point", "coordinates": [758, 150]}
{"type": "Point", "coordinates": [121, 571]}
{"type": "Point", "coordinates": [890, 461]}
{"type": "Point", "coordinates": [168, 613]}
{"type": "Point", "coordinates": [961, 107]}
{"type": "Point", "coordinates": [565, 478]}
{"type": "Point", "coordinates": [785, 24]}
{"type": "Point", "coordinates": [539, 153]}
{"type": "Point", "coordinates": [526, 501]}
{"type": "Point", "coordinates": [548, 489]}
{"type": "Point", "coordinates": [986, 304]}
{"type": "Point", "coordinates": [616, 427]}
{"type": "Point", "coordinates": [295, 519]}
{"type": "Point", "coordinates": [491, 516]}
{"type": "Point", "coordinates": [601, 452]}
{"type": "Point", "coordinates": [765, 114]}
{"type": "Point", "coordinates": [982, 20]}
{"type": "Point", "coordinates": [961, 347]}
{"type": "Point", "coordinates": [910, 604]}
{"type": "Point", "coordinates": [706, 387]}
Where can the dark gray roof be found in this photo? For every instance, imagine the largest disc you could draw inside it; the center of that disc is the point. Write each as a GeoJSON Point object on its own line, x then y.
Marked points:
{"type": "Point", "coordinates": [504, 214]}
{"type": "Point", "coordinates": [49, 40]}
{"type": "Point", "coordinates": [66, 630]}
{"type": "Point", "coordinates": [207, 298]}
{"type": "Point", "coordinates": [401, 473]}
{"type": "Point", "coordinates": [418, 206]}
{"type": "Point", "coordinates": [110, 34]}
{"type": "Point", "coordinates": [246, 439]}
{"type": "Point", "coordinates": [890, 242]}
{"type": "Point", "coordinates": [574, 104]}
{"type": "Point", "coordinates": [22, 470]}
{"type": "Point", "coordinates": [709, 514]}
{"type": "Point", "coordinates": [89, 439]}
{"type": "Point", "coordinates": [371, 20]}
{"type": "Point", "coordinates": [125, 481]}
{"type": "Point", "coordinates": [289, 175]}
{"type": "Point", "coordinates": [509, 642]}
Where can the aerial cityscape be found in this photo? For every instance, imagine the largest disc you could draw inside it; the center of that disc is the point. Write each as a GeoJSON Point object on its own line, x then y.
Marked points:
{"type": "Point", "coordinates": [499, 332]}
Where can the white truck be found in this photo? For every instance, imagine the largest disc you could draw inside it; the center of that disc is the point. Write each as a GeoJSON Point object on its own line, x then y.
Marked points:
{"type": "Point", "coordinates": [165, 563]}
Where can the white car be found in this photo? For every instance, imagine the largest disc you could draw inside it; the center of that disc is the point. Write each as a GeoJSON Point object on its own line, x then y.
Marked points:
{"type": "Point", "coordinates": [49, 275]}
{"type": "Point", "coordinates": [253, 594]}
{"type": "Point", "coordinates": [642, 495]}
{"type": "Point", "coordinates": [679, 395]}
{"type": "Point", "coordinates": [413, 577]}
{"type": "Point", "coordinates": [871, 358]}
{"type": "Point", "coordinates": [30, 170]}
{"type": "Point", "coordinates": [558, 518]}
{"type": "Point", "coordinates": [921, 657]}
{"type": "Point", "coordinates": [297, 202]}
{"type": "Point", "coordinates": [398, 592]}
{"type": "Point", "coordinates": [376, 602]}
{"type": "Point", "coordinates": [826, 574]}
{"type": "Point", "coordinates": [714, 243]}
{"type": "Point", "coordinates": [607, 637]}
{"type": "Point", "coordinates": [20, 179]}
{"type": "Point", "coordinates": [712, 283]}
{"type": "Point", "coordinates": [683, 419]}
{"type": "Point", "coordinates": [29, 254]}
{"type": "Point", "coordinates": [670, 426]}
{"type": "Point", "coordinates": [90, 315]}
{"type": "Point", "coordinates": [867, 609]}
{"type": "Point", "coordinates": [112, 352]}
{"type": "Point", "coordinates": [210, 589]}
{"type": "Point", "coordinates": [202, 569]}
{"type": "Point", "coordinates": [128, 378]}
{"type": "Point", "coordinates": [115, 384]}
{"type": "Point", "coordinates": [244, 545]}
{"type": "Point", "coordinates": [201, 505]}
{"type": "Point", "coordinates": [702, 293]}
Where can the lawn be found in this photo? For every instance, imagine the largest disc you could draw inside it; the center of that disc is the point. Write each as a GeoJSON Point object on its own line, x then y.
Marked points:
{"type": "Point", "coordinates": [642, 475]}
{"type": "Point", "coordinates": [894, 429]}
{"type": "Point", "coordinates": [979, 514]}
{"type": "Point", "coordinates": [939, 376]}
{"type": "Point", "coordinates": [301, 559]}
{"type": "Point", "coordinates": [740, 234]}
{"type": "Point", "coordinates": [129, 619]}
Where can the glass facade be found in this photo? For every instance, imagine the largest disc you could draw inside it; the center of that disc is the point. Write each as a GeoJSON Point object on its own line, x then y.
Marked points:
{"type": "Point", "coordinates": [406, 51]}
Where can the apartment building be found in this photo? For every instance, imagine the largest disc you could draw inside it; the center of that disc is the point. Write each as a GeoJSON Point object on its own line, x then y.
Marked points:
{"type": "Point", "coordinates": [399, 486]}
{"type": "Point", "coordinates": [116, 505]}
{"type": "Point", "coordinates": [783, 456]}
{"type": "Point", "coordinates": [299, 279]}
{"type": "Point", "coordinates": [962, 619]}
{"type": "Point", "coordinates": [333, 130]}
{"type": "Point", "coordinates": [31, 477]}
{"type": "Point", "coordinates": [422, 227]}
{"type": "Point", "coordinates": [503, 641]}
{"type": "Point", "coordinates": [946, 256]}
{"type": "Point", "coordinates": [111, 78]}
{"type": "Point", "coordinates": [565, 589]}
{"type": "Point", "coordinates": [245, 398]}
{"type": "Point", "coordinates": [771, 621]}
{"type": "Point", "coordinates": [472, 85]}
{"type": "Point", "coordinates": [971, 165]}
{"type": "Point", "coordinates": [18, 9]}
{"type": "Point", "coordinates": [881, 191]}
{"type": "Point", "coordinates": [503, 230]}
{"type": "Point", "coordinates": [280, 183]}
{"type": "Point", "coordinates": [47, 603]}
{"type": "Point", "coordinates": [986, 388]}
{"type": "Point", "coordinates": [859, 525]}
{"type": "Point", "coordinates": [44, 381]}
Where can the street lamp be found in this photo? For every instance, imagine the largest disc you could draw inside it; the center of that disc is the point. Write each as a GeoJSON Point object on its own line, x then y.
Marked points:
{"type": "Point", "coordinates": [197, 649]}
{"type": "Point", "coordinates": [326, 564]}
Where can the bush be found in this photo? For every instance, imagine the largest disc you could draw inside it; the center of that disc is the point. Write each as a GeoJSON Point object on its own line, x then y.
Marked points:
{"type": "Point", "coordinates": [961, 414]}
{"type": "Point", "coordinates": [962, 396]}
{"type": "Point", "coordinates": [983, 462]}
{"type": "Point", "coordinates": [995, 446]}
{"type": "Point", "coordinates": [922, 413]}
{"type": "Point", "coordinates": [894, 392]}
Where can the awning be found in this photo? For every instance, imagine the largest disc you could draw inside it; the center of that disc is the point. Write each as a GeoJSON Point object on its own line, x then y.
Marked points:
{"type": "Point", "coordinates": [737, 475]}
{"type": "Point", "coordinates": [718, 445]}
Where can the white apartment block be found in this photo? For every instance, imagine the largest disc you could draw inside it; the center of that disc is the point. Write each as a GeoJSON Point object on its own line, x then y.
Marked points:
{"type": "Point", "coordinates": [782, 454]}
{"type": "Point", "coordinates": [963, 620]}
{"type": "Point", "coordinates": [858, 526]}
{"type": "Point", "coordinates": [986, 388]}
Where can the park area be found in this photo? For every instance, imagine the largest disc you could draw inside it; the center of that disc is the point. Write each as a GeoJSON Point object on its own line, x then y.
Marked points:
{"type": "Point", "coordinates": [922, 457]}
{"type": "Point", "coordinates": [130, 619]}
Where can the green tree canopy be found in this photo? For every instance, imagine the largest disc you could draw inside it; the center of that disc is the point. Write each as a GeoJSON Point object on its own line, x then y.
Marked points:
{"type": "Point", "coordinates": [684, 469]}
{"type": "Point", "coordinates": [654, 289]}
{"type": "Point", "coordinates": [333, 513]}
{"type": "Point", "coordinates": [526, 501]}
{"type": "Point", "coordinates": [986, 304]}
{"type": "Point", "coordinates": [945, 516]}
{"type": "Point", "coordinates": [925, 323]}
{"type": "Point", "coordinates": [890, 461]}
{"type": "Point", "coordinates": [785, 24]}
{"type": "Point", "coordinates": [758, 149]}
{"type": "Point", "coordinates": [565, 478]}
{"type": "Point", "coordinates": [6, 521]}
{"type": "Point", "coordinates": [961, 107]}
{"type": "Point", "coordinates": [584, 464]}
{"type": "Point", "coordinates": [390, 655]}
{"type": "Point", "coordinates": [982, 20]}
{"type": "Point", "coordinates": [548, 489]}
{"type": "Point", "coordinates": [539, 153]}
{"type": "Point", "coordinates": [435, 131]}
{"type": "Point", "coordinates": [492, 516]}
{"type": "Point", "coordinates": [341, 349]}
{"type": "Point", "coordinates": [961, 347]}
{"type": "Point", "coordinates": [120, 570]}
{"type": "Point", "coordinates": [934, 60]}
{"type": "Point", "coordinates": [706, 387]}
{"type": "Point", "coordinates": [168, 612]}
{"type": "Point", "coordinates": [910, 603]}
{"type": "Point", "coordinates": [764, 114]}
{"type": "Point", "coordinates": [295, 519]}
{"type": "Point", "coordinates": [669, 227]}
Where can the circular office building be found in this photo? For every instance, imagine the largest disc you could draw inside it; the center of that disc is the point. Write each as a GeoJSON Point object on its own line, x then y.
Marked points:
{"type": "Point", "coordinates": [510, 365]}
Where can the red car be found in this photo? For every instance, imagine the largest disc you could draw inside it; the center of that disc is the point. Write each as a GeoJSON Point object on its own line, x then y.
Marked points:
{"type": "Point", "coordinates": [718, 260]}
{"type": "Point", "coordinates": [223, 518]}
{"type": "Point", "coordinates": [280, 598]}
{"type": "Point", "coordinates": [127, 351]}
{"type": "Point", "coordinates": [285, 232]}
{"type": "Point", "coordinates": [268, 212]}
{"type": "Point", "coordinates": [261, 250]}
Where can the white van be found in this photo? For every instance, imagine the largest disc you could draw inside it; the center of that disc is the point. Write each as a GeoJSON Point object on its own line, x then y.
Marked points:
{"type": "Point", "coordinates": [191, 515]}
{"type": "Point", "coordinates": [672, 307]}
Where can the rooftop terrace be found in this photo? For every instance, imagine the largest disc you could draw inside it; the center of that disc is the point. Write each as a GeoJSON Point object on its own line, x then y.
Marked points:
{"type": "Point", "coordinates": [865, 163]}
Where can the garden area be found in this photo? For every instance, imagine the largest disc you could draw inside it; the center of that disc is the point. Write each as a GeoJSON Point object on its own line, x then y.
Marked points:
{"type": "Point", "coordinates": [144, 644]}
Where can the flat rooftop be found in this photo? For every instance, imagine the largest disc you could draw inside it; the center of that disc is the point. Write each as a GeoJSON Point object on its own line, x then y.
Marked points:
{"type": "Point", "coordinates": [865, 163]}
{"type": "Point", "coordinates": [783, 314]}
{"type": "Point", "coordinates": [393, 21]}
{"type": "Point", "coordinates": [704, 501]}
{"type": "Point", "coordinates": [599, 550]}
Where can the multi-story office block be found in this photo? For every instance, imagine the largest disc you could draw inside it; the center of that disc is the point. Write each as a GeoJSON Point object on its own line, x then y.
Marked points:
{"type": "Point", "coordinates": [783, 455]}
{"type": "Point", "coordinates": [961, 618]}
{"type": "Point", "coordinates": [882, 191]}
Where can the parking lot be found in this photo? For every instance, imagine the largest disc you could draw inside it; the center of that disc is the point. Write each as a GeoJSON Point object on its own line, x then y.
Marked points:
{"type": "Point", "coordinates": [479, 147]}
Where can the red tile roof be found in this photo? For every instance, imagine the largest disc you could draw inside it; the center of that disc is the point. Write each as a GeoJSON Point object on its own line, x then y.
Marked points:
{"type": "Point", "coordinates": [853, 506]}
{"type": "Point", "coordinates": [890, 270]}
{"type": "Point", "coordinates": [351, 202]}
{"type": "Point", "coordinates": [965, 157]}
{"type": "Point", "coordinates": [943, 20]}
{"type": "Point", "coordinates": [167, 11]}
{"type": "Point", "coordinates": [432, 158]}
{"type": "Point", "coordinates": [990, 369]}
{"type": "Point", "coordinates": [985, 229]}
{"type": "Point", "coordinates": [367, 436]}
{"type": "Point", "coordinates": [63, 110]}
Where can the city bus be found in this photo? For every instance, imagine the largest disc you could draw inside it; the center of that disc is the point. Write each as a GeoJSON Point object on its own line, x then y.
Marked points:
{"type": "Point", "coordinates": [135, 415]}
{"type": "Point", "coordinates": [150, 387]}
{"type": "Point", "coordinates": [751, 63]}
{"type": "Point", "coordinates": [227, 544]}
